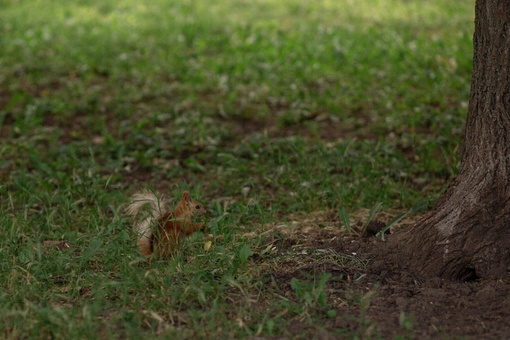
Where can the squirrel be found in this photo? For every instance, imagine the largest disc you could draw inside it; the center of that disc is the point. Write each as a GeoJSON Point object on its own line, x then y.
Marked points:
{"type": "Point", "coordinates": [161, 231]}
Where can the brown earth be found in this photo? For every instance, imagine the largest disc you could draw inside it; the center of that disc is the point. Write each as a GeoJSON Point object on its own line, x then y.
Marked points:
{"type": "Point", "coordinates": [381, 299]}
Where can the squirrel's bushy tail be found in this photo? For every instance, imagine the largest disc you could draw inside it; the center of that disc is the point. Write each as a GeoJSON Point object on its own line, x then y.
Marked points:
{"type": "Point", "coordinates": [157, 208]}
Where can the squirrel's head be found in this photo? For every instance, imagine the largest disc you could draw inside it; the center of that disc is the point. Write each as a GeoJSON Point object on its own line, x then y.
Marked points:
{"type": "Point", "coordinates": [195, 207]}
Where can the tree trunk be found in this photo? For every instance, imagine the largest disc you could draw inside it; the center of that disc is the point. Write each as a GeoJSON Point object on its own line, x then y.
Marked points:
{"type": "Point", "coordinates": [467, 235]}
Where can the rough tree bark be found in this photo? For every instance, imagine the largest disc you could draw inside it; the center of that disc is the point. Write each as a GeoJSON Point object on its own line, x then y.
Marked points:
{"type": "Point", "coordinates": [467, 234]}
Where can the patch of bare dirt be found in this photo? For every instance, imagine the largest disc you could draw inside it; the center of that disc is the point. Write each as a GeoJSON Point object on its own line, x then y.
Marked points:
{"type": "Point", "coordinates": [434, 307]}
{"type": "Point", "coordinates": [379, 298]}
{"type": "Point", "coordinates": [327, 127]}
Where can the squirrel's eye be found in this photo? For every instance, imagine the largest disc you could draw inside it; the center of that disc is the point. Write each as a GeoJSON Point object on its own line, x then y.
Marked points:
{"type": "Point", "coordinates": [197, 207]}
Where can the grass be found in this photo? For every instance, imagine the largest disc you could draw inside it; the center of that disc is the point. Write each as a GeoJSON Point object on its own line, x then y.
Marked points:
{"type": "Point", "coordinates": [268, 112]}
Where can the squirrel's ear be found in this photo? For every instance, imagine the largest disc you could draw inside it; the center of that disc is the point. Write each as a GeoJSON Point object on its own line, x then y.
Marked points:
{"type": "Point", "coordinates": [186, 196]}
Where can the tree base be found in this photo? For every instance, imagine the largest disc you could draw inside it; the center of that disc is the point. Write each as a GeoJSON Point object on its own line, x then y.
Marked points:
{"type": "Point", "coordinates": [467, 235]}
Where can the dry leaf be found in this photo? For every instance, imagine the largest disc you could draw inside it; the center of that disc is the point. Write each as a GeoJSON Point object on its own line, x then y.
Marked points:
{"type": "Point", "coordinates": [207, 245]}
